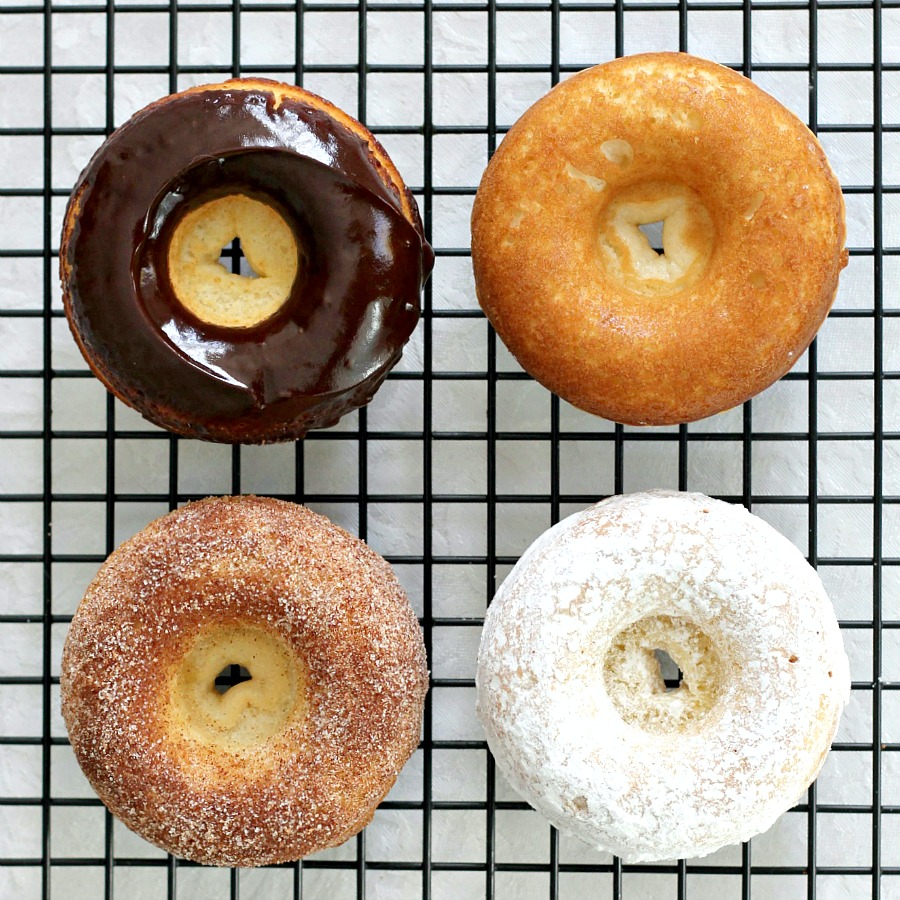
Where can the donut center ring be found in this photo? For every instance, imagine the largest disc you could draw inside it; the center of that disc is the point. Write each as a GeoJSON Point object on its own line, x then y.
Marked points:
{"type": "Point", "coordinates": [663, 674]}
{"type": "Point", "coordinates": [206, 288]}
{"type": "Point", "coordinates": [247, 711]}
{"type": "Point", "coordinates": [688, 238]}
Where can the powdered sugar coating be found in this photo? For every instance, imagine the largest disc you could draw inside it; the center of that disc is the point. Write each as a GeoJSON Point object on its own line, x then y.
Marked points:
{"type": "Point", "coordinates": [559, 739]}
{"type": "Point", "coordinates": [277, 567]}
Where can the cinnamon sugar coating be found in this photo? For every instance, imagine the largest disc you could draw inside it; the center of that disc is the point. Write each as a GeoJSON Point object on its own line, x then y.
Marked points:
{"type": "Point", "coordinates": [264, 568]}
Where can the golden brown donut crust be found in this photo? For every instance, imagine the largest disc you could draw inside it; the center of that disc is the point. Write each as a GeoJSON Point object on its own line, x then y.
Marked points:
{"type": "Point", "coordinates": [777, 213]}
{"type": "Point", "coordinates": [280, 568]}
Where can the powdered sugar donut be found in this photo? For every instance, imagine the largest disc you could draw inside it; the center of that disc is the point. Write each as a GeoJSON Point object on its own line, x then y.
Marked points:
{"type": "Point", "coordinates": [575, 708]}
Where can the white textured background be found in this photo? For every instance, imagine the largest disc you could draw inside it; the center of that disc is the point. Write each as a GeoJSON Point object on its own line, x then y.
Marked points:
{"type": "Point", "coordinates": [780, 41]}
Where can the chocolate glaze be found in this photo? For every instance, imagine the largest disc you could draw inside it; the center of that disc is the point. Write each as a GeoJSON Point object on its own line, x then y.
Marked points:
{"type": "Point", "coordinates": [353, 305]}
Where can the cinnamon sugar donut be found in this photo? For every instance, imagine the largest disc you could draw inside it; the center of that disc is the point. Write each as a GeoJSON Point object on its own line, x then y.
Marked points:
{"type": "Point", "coordinates": [329, 229]}
{"type": "Point", "coordinates": [753, 239]}
{"type": "Point", "coordinates": [290, 762]}
{"type": "Point", "coordinates": [574, 705]}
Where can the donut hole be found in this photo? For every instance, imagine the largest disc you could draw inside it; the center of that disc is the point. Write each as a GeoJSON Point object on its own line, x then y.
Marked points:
{"type": "Point", "coordinates": [671, 675]}
{"type": "Point", "coordinates": [653, 232]}
{"type": "Point", "coordinates": [236, 686]}
{"type": "Point", "coordinates": [663, 674]}
{"type": "Point", "coordinates": [656, 238]}
{"type": "Point", "coordinates": [232, 674]}
{"type": "Point", "coordinates": [233, 261]}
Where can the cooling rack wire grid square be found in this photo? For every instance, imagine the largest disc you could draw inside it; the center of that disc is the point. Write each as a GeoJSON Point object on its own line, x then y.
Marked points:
{"type": "Point", "coordinates": [461, 460]}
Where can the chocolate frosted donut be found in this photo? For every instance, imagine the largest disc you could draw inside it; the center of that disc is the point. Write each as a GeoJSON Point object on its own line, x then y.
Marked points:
{"type": "Point", "coordinates": [290, 762]}
{"type": "Point", "coordinates": [325, 221]}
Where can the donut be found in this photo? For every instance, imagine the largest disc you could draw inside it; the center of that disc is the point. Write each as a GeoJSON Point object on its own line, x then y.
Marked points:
{"type": "Point", "coordinates": [752, 239]}
{"type": "Point", "coordinates": [570, 691]}
{"type": "Point", "coordinates": [330, 231]}
{"type": "Point", "coordinates": [282, 765]}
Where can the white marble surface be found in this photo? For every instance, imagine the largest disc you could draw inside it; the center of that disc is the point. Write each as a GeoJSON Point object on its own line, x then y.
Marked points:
{"type": "Point", "coordinates": [460, 345]}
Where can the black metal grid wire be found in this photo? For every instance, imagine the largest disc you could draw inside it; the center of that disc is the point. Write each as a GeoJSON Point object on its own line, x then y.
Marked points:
{"type": "Point", "coordinates": [428, 875]}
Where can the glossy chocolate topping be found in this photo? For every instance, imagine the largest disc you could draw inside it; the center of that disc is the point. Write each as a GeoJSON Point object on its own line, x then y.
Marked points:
{"type": "Point", "coordinates": [351, 309]}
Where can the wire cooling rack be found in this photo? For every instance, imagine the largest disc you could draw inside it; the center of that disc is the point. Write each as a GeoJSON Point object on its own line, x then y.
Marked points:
{"type": "Point", "coordinates": [461, 460]}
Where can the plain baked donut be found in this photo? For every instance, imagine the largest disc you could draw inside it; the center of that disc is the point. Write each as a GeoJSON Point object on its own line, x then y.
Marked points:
{"type": "Point", "coordinates": [753, 239]}
{"type": "Point", "coordinates": [330, 230]}
{"type": "Point", "coordinates": [292, 761]}
{"type": "Point", "coordinates": [573, 703]}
